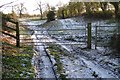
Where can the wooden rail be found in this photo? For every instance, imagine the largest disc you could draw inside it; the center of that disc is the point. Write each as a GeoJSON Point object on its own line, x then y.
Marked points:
{"type": "Point", "coordinates": [4, 25]}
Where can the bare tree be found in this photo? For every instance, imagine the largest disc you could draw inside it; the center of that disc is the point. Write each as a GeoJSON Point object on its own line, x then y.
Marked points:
{"type": "Point", "coordinates": [40, 8]}
{"type": "Point", "coordinates": [21, 8]}
{"type": "Point", "coordinates": [48, 6]}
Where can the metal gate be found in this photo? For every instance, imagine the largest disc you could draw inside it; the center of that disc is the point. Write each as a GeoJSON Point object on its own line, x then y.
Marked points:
{"type": "Point", "coordinates": [103, 35]}
{"type": "Point", "coordinates": [66, 36]}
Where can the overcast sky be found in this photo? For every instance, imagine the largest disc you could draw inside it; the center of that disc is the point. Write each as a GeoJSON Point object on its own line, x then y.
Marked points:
{"type": "Point", "coordinates": [31, 5]}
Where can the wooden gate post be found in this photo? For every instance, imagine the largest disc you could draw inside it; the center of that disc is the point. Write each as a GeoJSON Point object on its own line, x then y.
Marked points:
{"type": "Point", "coordinates": [89, 35]}
{"type": "Point", "coordinates": [17, 35]}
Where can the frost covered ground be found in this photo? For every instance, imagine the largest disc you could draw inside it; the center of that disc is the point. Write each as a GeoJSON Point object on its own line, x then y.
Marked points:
{"type": "Point", "coordinates": [79, 63]}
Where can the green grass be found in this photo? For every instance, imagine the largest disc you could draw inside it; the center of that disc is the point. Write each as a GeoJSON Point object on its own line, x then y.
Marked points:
{"type": "Point", "coordinates": [16, 64]}
{"type": "Point", "coordinates": [36, 19]}
{"type": "Point", "coordinates": [56, 52]}
{"type": "Point", "coordinates": [111, 21]}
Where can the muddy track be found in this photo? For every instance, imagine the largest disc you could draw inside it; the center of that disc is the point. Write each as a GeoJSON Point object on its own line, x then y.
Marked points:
{"type": "Point", "coordinates": [45, 67]}
{"type": "Point", "coordinates": [93, 65]}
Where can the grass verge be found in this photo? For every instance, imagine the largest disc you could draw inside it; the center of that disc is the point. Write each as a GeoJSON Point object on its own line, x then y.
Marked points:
{"type": "Point", "coordinates": [16, 62]}
{"type": "Point", "coordinates": [56, 52]}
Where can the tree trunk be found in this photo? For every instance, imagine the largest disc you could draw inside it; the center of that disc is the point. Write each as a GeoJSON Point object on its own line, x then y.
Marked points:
{"type": "Point", "coordinates": [87, 7]}
{"type": "Point", "coordinates": [103, 6]}
{"type": "Point", "coordinates": [63, 14]}
{"type": "Point", "coordinates": [116, 6]}
{"type": "Point", "coordinates": [41, 13]}
{"type": "Point", "coordinates": [40, 8]}
{"type": "Point", "coordinates": [20, 14]}
{"type": "Point", "coordinates": [116, 10]}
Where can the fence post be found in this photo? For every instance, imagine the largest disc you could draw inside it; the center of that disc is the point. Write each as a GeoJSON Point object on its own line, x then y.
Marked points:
{"type": "Point", "coordinates": [96, 37]}
{"type": "Point", "coordinates": [89, 36]}
{"type": "Point", "coordinates": [118, 21]}
{"type": "Point", "coordinates": [17, 35]}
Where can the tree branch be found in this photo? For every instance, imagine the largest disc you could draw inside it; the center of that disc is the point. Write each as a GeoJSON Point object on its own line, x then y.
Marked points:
{"type": "Point", "coordinates": [7, 4]}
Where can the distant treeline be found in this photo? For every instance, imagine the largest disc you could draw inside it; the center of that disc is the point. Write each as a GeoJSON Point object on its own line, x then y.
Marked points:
{"type": "Point", "coordinates": [73, 9]}
{"type": "Point", "coordinates": [94, 9]}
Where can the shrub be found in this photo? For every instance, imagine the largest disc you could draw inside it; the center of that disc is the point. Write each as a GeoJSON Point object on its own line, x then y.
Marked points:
{"type": "Point", "coordinates": [100, 14]}
{"type": "Point", "coordinates": [118, 15]}
{"type": "Point", "coordinates": [115, 44]}
{"type": "Point", "coordinates": [50, 16]}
